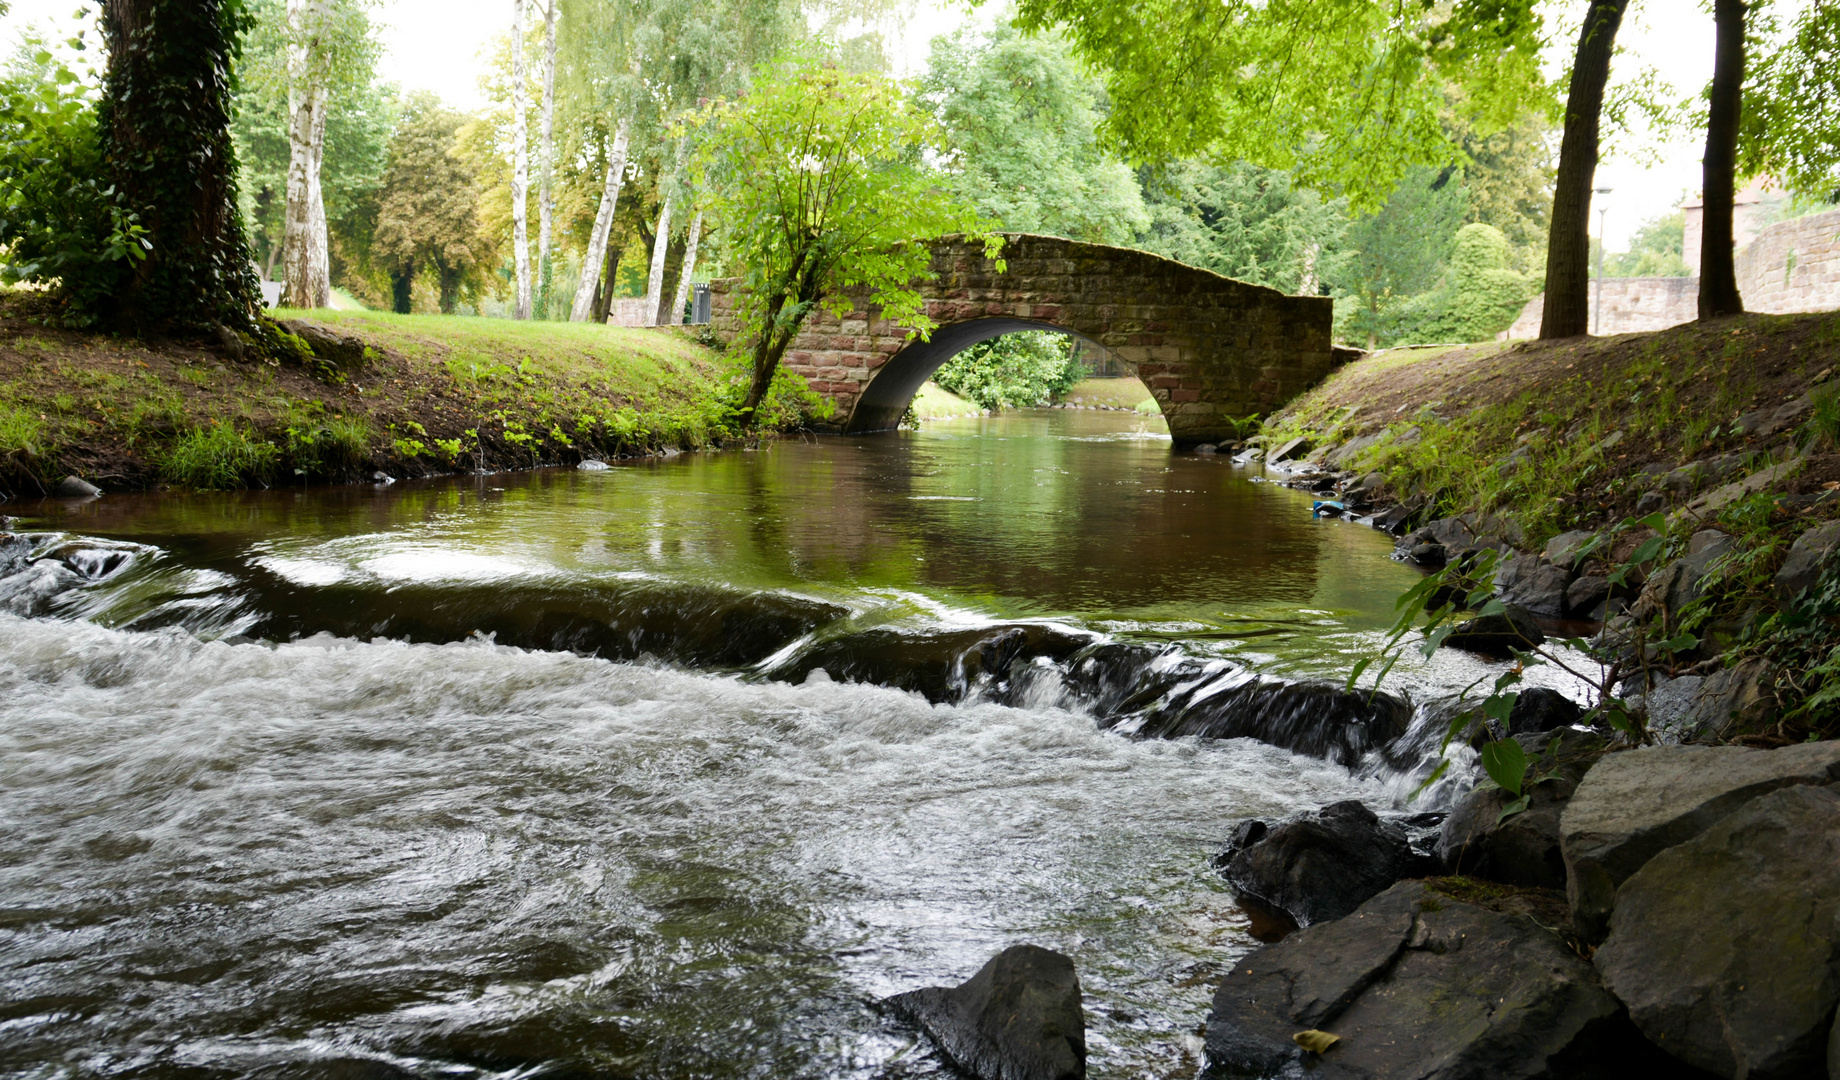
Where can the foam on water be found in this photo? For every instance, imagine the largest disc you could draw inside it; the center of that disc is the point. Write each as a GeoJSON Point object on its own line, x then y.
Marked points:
{"type": "Point", "coordinates": [479, 858]}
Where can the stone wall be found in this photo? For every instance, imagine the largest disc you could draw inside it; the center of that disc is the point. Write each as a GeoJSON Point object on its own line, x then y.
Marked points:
{"type": "Point", "coordinates": [1791, 266]}
{"type": "Point", "coordinates": [1211, 349]}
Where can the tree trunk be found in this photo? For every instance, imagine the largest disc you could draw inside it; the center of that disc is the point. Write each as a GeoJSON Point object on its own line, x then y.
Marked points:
{"type": "Point", "coordinates": [304, 259]}
{"type": "Point", "coordinates": [448, 279]}
{"type": "Point", "coordinates": [683, 278]}
{"type": "Point", "coordinates": [546, 164]}
{"type": "Point", "coordinates": [585, 305]}
{"type": "Point", "coordinates": [603, 293]}
{"type": "Point", "coordinates": [1718, 277]}
{"type": "Point", "coordinates": [661, 242]}
{"type": "Point", "coordinates": [520, 166]}
{"type": "Point", "coordinates": [402, 290]}
{"type": "Point", "coordinates": [673, 270]}
{"type": "Point", "coordinates": [1568, 246]}
{"type": "Point", "coordinates": [164, 124]}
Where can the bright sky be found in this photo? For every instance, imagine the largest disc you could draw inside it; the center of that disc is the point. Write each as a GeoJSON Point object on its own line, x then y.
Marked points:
{"type": "Point", "coordinates": [437, 45]}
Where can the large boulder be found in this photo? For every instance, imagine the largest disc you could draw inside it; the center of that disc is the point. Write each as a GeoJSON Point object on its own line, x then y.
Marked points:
{"type": "Point", "coordinates": [1686, 579]}
{"type": "Point", "coordinates": [1634, 805]}
{"type": "Point", "coordinates": [1498, 635]}
{"type": "Point", "coordinates": [1534, 584]}
{"type": "Point", "coordinates": [1538, 709]}
{"type": "Point", "coordinates": [1563, 550]}
{"type": "Point", "coordinates": [1523, 849]}
{"type": "Point", "coordinates": [1807, 556]}
{"type": "Point", "coordinates": [1319, 866]}
{"type": "Point", "coordinates": [1413, 984]}
{"type": "Point", "coordinates": [1726, 947]}
{"type": "Point", "coordinates": [1732, 699]}
{"type": "Point", "coordinates": [1018, 1018]}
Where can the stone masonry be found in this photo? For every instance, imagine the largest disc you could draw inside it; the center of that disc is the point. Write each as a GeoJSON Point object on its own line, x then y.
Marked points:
{"type": "Point", "coordinates": [1211, 349]}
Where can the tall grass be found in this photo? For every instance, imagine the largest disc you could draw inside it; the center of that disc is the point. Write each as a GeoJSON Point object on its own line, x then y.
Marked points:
{"type": "Point", "coordinates": [20, 430]}
{"type": "Point", "coordinates": [218, 456]}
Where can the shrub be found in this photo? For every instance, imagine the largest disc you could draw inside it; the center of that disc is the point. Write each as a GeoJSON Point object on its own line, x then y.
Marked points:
{"type": "Point", "coordinates": [1014, 370]}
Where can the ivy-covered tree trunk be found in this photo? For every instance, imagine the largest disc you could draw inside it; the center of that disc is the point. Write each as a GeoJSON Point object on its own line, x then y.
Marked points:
{"type": "Point", "coordinates": [164, 123]}
{"type": "Point", "coordinates": [1568, 246]}
{"type": "Point", "coordinates": [1718, 276]}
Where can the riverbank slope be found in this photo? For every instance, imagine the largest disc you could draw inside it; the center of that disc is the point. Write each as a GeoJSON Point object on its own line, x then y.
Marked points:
{"type": "Point", "coordinates": [405, 394]}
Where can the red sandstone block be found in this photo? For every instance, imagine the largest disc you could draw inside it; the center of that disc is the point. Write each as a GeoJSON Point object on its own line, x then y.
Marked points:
{"type": "Point", "coordinates": [1191, 384]}
{"type": "Point", "coordinates": [854, 361]}
{"type": "Point", "coordinates": [1185, 395]}
{"type": "Point", "coordinates": [1165, 382]}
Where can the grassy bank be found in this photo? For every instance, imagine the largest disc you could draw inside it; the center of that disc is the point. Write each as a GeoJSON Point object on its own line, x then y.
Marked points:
{"type": "Point", "coordinates": [413, 394]}
{"type": "Point", "coordinates": [1647, 441]}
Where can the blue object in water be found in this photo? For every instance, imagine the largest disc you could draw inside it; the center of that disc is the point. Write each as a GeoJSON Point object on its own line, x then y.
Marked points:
{"type": "Point", "coordinates": [1319, 507]}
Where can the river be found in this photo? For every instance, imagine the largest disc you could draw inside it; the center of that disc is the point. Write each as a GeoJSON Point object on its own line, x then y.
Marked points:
{"type": "Point", "coordinates": [666, 770]}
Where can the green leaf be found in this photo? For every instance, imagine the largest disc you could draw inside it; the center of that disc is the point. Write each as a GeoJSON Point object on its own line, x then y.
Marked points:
{"type": "Point", "coordinates": [1513, 808]}
{"type": "Point", "coordinates": [1650, 548]}
{"type": "Point", "coordinates": [1506, 764]}
{"type": "Point", "coordinates": [1499, 706]}
{"type": "Point", "coordinates": [1680, 642]}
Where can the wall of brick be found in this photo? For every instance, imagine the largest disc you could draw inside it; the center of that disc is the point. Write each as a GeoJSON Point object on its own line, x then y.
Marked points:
{"type": "Point", "coordinates": [1791, 266]}
{"type": "Point", "coordinates": [1211, 349]}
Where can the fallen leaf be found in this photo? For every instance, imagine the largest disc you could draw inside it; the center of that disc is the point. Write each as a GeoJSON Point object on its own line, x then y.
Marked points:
{"type": "Point", "coordinates": [1315, 1041]}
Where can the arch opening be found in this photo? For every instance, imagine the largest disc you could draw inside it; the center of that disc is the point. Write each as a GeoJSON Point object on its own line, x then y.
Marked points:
{"type": "Point", "coordinates": [888, 394]}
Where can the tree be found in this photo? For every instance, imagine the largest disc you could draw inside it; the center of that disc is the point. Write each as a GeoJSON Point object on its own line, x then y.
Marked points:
{"type": "Point", "coordinates": [1244, 222]}
{"type": "Point", "coordinates": [1718, 275]}
{"type": "Point", "coordinates": [1020, 121]}
{"type": "Point", "coordinates": [1792, 108]}
{"type": "Point", "coordinates": [520, 168]}
{"type": "Point", "coordinates": [1013, 371]}
{"type": "Point", "coordinates": [1479, 296]}
{"type": "Point", "coordinates": [818, 178]}
{"type": "Point", "coordinates": [546, 161]}
{"type": "Point", "coordinates": [164, 124]}
{"type": "Point", "coordinates": [1400, 252]}
{"type": "Point", "coordinates": [1568, 248]}
{"type": "Point", "coordinates": [428, 209]}
{"type": "Point", "coordinates": [1655, 250]}
{"type": "Point", "coordinates": [1508, 174]}
{"type": "Point", "coordinates": [328, 44]}
{"type": "Point", "coordinates": [1346, 93]}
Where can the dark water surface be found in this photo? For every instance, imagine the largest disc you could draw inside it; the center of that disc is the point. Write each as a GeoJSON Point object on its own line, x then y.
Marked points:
{"type": "Point", "coordinates": [267, 799]}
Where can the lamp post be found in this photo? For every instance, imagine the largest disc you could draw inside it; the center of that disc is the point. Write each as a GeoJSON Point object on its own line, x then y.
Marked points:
{"type": "Point", "coordinates": [1597, 317]}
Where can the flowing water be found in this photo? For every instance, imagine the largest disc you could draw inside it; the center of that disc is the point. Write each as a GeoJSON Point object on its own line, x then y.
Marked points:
{"type": "Point", "coordinates": [667, 770]}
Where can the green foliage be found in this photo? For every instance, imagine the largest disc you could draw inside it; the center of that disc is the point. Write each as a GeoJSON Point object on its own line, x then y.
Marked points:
{"type": "Point", "coordinates": [1013, 371]}
{"type": "Point", "coordinates": [218, 456]}
{"type": "Point", "coordinates": [1508, 174]}
{"type": "Point", "coordinates": [425, 217]}
{"type": "Point", "coordinates": [1791, 126]}
{"type": "Point", "coordinates": [1018, 119]}
{"type": "Point", "coordinates": [1824, 416]}
{"type": "Point", "coordinates": [1348, 92]}
{"type": "Point", "coordinates": [164, 124]}
{"type": "Point", "coordinates": [21, 431]}
{"type": "Point", "coordinates": [61, 222]}
{"type": "Point", "coordinates": [819, 179]}
{"type": "Point", "coordinates": [1803, 641]}
{"type": "Point", "coordinates": [1397, 254]}
{"type": "Point", "coordinates": [1654, 251]}
{"type": "Point", "coordinates": [327, 446]}
{"type": "Point", "coordinates": [1245, 222]}
{"type": "Point", "coordinates": [1479, 296]}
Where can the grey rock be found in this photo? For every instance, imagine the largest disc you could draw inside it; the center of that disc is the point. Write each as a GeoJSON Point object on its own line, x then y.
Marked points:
{"type": "Point", "coordinates": [1349, 450]}
{"type": "Point", "coordinates": [1768, 421]}
{"type": "Point", "coordinates": [1583, 595]}
{"type": "Point", "coordinates": [1453, 533]}
{"type": "Point", "coordinates": [1687, 578]}
{"type": "Point", "coordinates": [1807, 557]}
{"type": "Point", "coordinates": [1319, 866]}
{"type": "Point", "coordinates": [1018, 1018]}
{"type": "Point", "coordinates": [1392, 520]}
{"type": "Point", "coordinates": [592, 465]}
{"type": "Point", "coordinates": [1415, 984]}
{"type": "Point", "coordinates": [1207, 448]}
{"type": "Point", "coordinates": [1738, 697]}
{"type": "Point", "coordinates": [1523, 849]}
{"type": "Point", "coordinates": [75, 487]}
{"type": "Point", "coordinates": [1534, 584]}
{"type": "Point", "coordinates": [1429, 554]}
{"type": "Point", "coordinates": [1562, 550]}
{"type": "Point", "coordinates": [341, 350]}
{"type": "Point", "coordinates": [1295, 448]}
{"type": "Point", "coordinates": [1538, 710]}
{"type": "Point", "coordinates": [1757, 895]}
{"type": "Point", "coordinates": [1649, 502]}
{"type": "Point", "coordinates": [1669, 703]}
{"type": "Point", "coordinates": [1719, 498]}
{"type": "Point", "coordinates": [1634, 805]}
{"type": "Point", "coordinates": [1498, 635]}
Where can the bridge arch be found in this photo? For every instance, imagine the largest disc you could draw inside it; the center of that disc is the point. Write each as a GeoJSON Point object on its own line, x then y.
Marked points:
{"type": "Point", "coordinates": [1211, 349]}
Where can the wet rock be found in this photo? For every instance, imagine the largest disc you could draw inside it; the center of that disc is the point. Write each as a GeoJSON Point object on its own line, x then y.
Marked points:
{"type": "Point", "coordinates": [1732, 701]}
{"type": "Point", "coordinates": [1429, 554]}
{"type": "Point", "coordinates": [1758, 895]}
{"type": "Point", "coordinates": [1634, 805]}
{"type": "Point", "coordinates": [942, 665]}
{"type": "Point", "coordinates": [1207, 448]}
{"type": "Point", "coordinates": [1534, 584]}
{"type": "Point", "coordinates": [1018, 1018]}
{"type": "Point", "coordinates": [75, 487]}
{"type": "Point", "coordinates": [1414, 984]}
{"type": "Point", "coordinates": [1585, 595]}
{"type": "Point", "coordinates": [1349, 450]}
{"type": "Point", "coordinates": [1319, 866]}
{"type": "Point", "coordinates": [1562, 550]}
{"type": "Point", "coordinates": [1523, 849]}
{"type": "Point", "coordinates": [1766, 422]}
{"type": "Point", "coordinates": [1807, 558]}
{"type": "Point", "coordinates": [592, 465]}
{"type": "Point", "coordinates": [1452, 533]}
{"type": "Point", "coordinates": [345, 1068]}
{"type": "Point", "coordinates": [1295, 448]}
{"type": "Point", "coordinates": [1393, 519]}
{"type": "Point", "coordinates": [30, 590]}
{"type": "Point", "coordinates": [1538, 709]}
{"type": "Point", "coordinates": [1498, 635]}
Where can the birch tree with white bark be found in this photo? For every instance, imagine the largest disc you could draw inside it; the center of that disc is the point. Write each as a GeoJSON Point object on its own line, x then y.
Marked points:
{"type": "Point", "coordinates": [546, 163]}
{"type": "Point", "coordinates": [323, 38]}
{"type": "Point", "coordinates": [520, 165]}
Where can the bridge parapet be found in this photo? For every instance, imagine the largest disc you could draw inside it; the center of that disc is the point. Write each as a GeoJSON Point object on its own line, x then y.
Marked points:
{"type": "Point", "coordinates": [1211, 349]}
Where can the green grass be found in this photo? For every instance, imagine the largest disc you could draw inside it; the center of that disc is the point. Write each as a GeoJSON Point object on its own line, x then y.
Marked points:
{"type": "Point", "coordinates": [20, 430]}
{"type": "Point", "coordinates": [1122, 393]}
{"type": "Point", "coordinates": [218, 456]}
{"type": "Point", "coordinates": [935, 402]}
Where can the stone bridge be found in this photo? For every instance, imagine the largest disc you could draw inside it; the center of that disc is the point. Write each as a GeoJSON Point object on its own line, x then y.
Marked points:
{"type": "Point", "coordinates": [1211, 349]}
